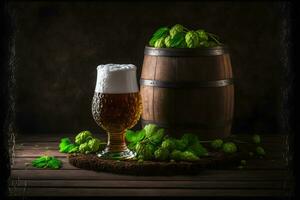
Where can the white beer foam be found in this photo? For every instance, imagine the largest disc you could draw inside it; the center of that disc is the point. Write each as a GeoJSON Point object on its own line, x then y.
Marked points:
{"type": "Point", "coordinates": [116, 79]}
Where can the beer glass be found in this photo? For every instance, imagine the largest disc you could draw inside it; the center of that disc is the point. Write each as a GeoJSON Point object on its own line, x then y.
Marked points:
{"type": "Point", "coordinates": [116, 106]}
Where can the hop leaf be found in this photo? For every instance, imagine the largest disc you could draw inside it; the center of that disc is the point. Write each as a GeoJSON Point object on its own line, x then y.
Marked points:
{"type": "Point", "coordinates": [229, 147]}
{"type": "Point", "coordinates": [161, 154]}
{"type": "Point", "coordinates": [160, 33]}
{"type": "Point", "coordinates": [256, 139]}
{"type": "Point", "coordinates": [47, 162]}
{"type": "Point", "coordinates": [177, 40]}
{"type": "Point", "coordinates": [192, 39]}
{"type": "Point", "coordinates": [134, 137]}
{"type": "Point", "coordinates": [217, 144]}
{"type": "Point", "coordinates": [65, 146]}
{"type": "Point", "coordinates": [83, 137]}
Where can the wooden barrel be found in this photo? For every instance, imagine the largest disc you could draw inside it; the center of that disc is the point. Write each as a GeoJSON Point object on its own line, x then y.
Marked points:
{"type": "Point", "coordinates": [188, 91]}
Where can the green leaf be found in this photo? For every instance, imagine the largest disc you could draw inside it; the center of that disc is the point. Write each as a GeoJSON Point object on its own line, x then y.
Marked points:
{"type": "Point", "coordinates": [134, 137]}
{"type": "Point", "coordinates": [161, 32]}
{"type": "Point", "coordinates": [47, 162]}
{"type": "Point", "coordinates": [66, 146]}
{"type": "Point", "coordinates": [177, 40]}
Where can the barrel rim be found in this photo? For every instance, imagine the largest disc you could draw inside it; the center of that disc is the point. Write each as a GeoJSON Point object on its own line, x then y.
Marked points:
{"type": "Point", "coordinates": [186, 52]}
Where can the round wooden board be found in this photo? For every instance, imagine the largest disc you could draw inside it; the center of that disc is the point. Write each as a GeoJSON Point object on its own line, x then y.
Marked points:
{"type": "Point", "coordinates": [216, 160]}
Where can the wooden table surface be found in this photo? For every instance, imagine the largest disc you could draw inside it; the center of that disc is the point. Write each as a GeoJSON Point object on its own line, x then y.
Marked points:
{"type": "Point", "coordinates": [268, 177]}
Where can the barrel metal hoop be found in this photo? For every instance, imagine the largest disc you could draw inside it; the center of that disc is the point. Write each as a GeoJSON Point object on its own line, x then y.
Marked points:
{"type": "Point", "coordinates": [186, 52]}
{"type": "Point", "coordinates": [206, 126]}
{"type": "Point", "coordinates": [186, 84]}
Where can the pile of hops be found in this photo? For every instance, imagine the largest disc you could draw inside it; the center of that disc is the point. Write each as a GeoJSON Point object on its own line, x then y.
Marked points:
{"type": "Point", "coordinates": [179, 36]}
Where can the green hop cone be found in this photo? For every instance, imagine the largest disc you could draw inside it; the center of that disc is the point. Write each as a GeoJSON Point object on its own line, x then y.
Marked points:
{"type": "Point", "coordinates": [177, 28]}
{"type": "Point", "coordinates": [229, 147]}
{"type": "Point", "coordinates": [260, 151]}
{"type": "Point", "coordinates": [84, 148]}
{"type": "Point", "coordinates": [176, 155]}
{"type": "Point", "coordinates": [94, 145]}
{"type": "Point", "coordinates": [198, 149]}
{"type": "Point", "coordinates": [192, 39]}
{"type": "Point", "coordinates": [168, 144]}
{"type": "Point", "coordinates": [161, 154]}
{"type": "Point", "coordinates": [148, 152]}
{"type": "Point", "coordinates": [145, 151]}
{"type": "Point", "coordinates": [168, 41]}
{"type": "Point", "coordinates": [83, 137]}
{"type": "Point", "coordinates": [181, 145]}
{"type": "Point", "coordinates": [256, 139]}
{"type": "Point", "coordinates": [202, 35]}
{"type": "Point", "coordinates": [188, 156]}
{"type": "Point", "coordinates": [216, 144]}
{"type": "Point", "coordinates": [157, 137]}
{"type": "Point", "coordinates": [160, 43]}
{"type": "Point", "coordinates": [150, 129]}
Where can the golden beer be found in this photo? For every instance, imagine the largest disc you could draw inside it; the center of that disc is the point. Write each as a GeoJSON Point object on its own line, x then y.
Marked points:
{"type": "Point", "coordinates": [116, 106]}
{"type": "Point", "coordinates": [116, 112]}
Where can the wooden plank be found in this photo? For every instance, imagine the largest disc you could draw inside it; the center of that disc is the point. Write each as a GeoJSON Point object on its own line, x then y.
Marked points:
{"type": "Point", "coordinates": [144, 192]}
{"type": "Point", "coordinates": [267, 138]}
{"type": "Point", "coordinates": [38, 152]}
{"type": "Point", "coordinates": [24, 163]}
{"type": "Point", "coordinates": [45, 174]}
{"type": "Point", "coordinates": [35, 145]}
{"type": "Point", "coordinates": [270, 153]}
{"type": "Point", "coordinates": [149, 184]}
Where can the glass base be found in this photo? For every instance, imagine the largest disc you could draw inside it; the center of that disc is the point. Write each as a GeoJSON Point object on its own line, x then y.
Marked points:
{"type": "Point", "coordinates": [122, 155]}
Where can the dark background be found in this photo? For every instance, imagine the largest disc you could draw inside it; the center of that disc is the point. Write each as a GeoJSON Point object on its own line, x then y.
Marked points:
{"type": "Point", "coordinates": [59, 45]}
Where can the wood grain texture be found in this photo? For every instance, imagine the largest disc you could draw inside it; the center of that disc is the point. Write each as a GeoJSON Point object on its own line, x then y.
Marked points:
{"type": "Point", "coordinates": [207, 111]}
{"type": "Point", "coordinates": [267, 177]}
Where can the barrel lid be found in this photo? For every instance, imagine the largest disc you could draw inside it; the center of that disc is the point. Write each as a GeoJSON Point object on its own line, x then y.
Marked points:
{"type": "Point", "coordinates": [186, 52]}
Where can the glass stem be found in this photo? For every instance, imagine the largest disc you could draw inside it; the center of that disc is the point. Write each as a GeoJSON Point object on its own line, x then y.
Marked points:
{"type": "Point", "coordinates": [116, 142]}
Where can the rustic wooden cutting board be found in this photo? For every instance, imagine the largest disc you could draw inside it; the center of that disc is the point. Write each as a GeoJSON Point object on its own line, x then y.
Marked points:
{"type": "Point", "coordinates": [216, 160]}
